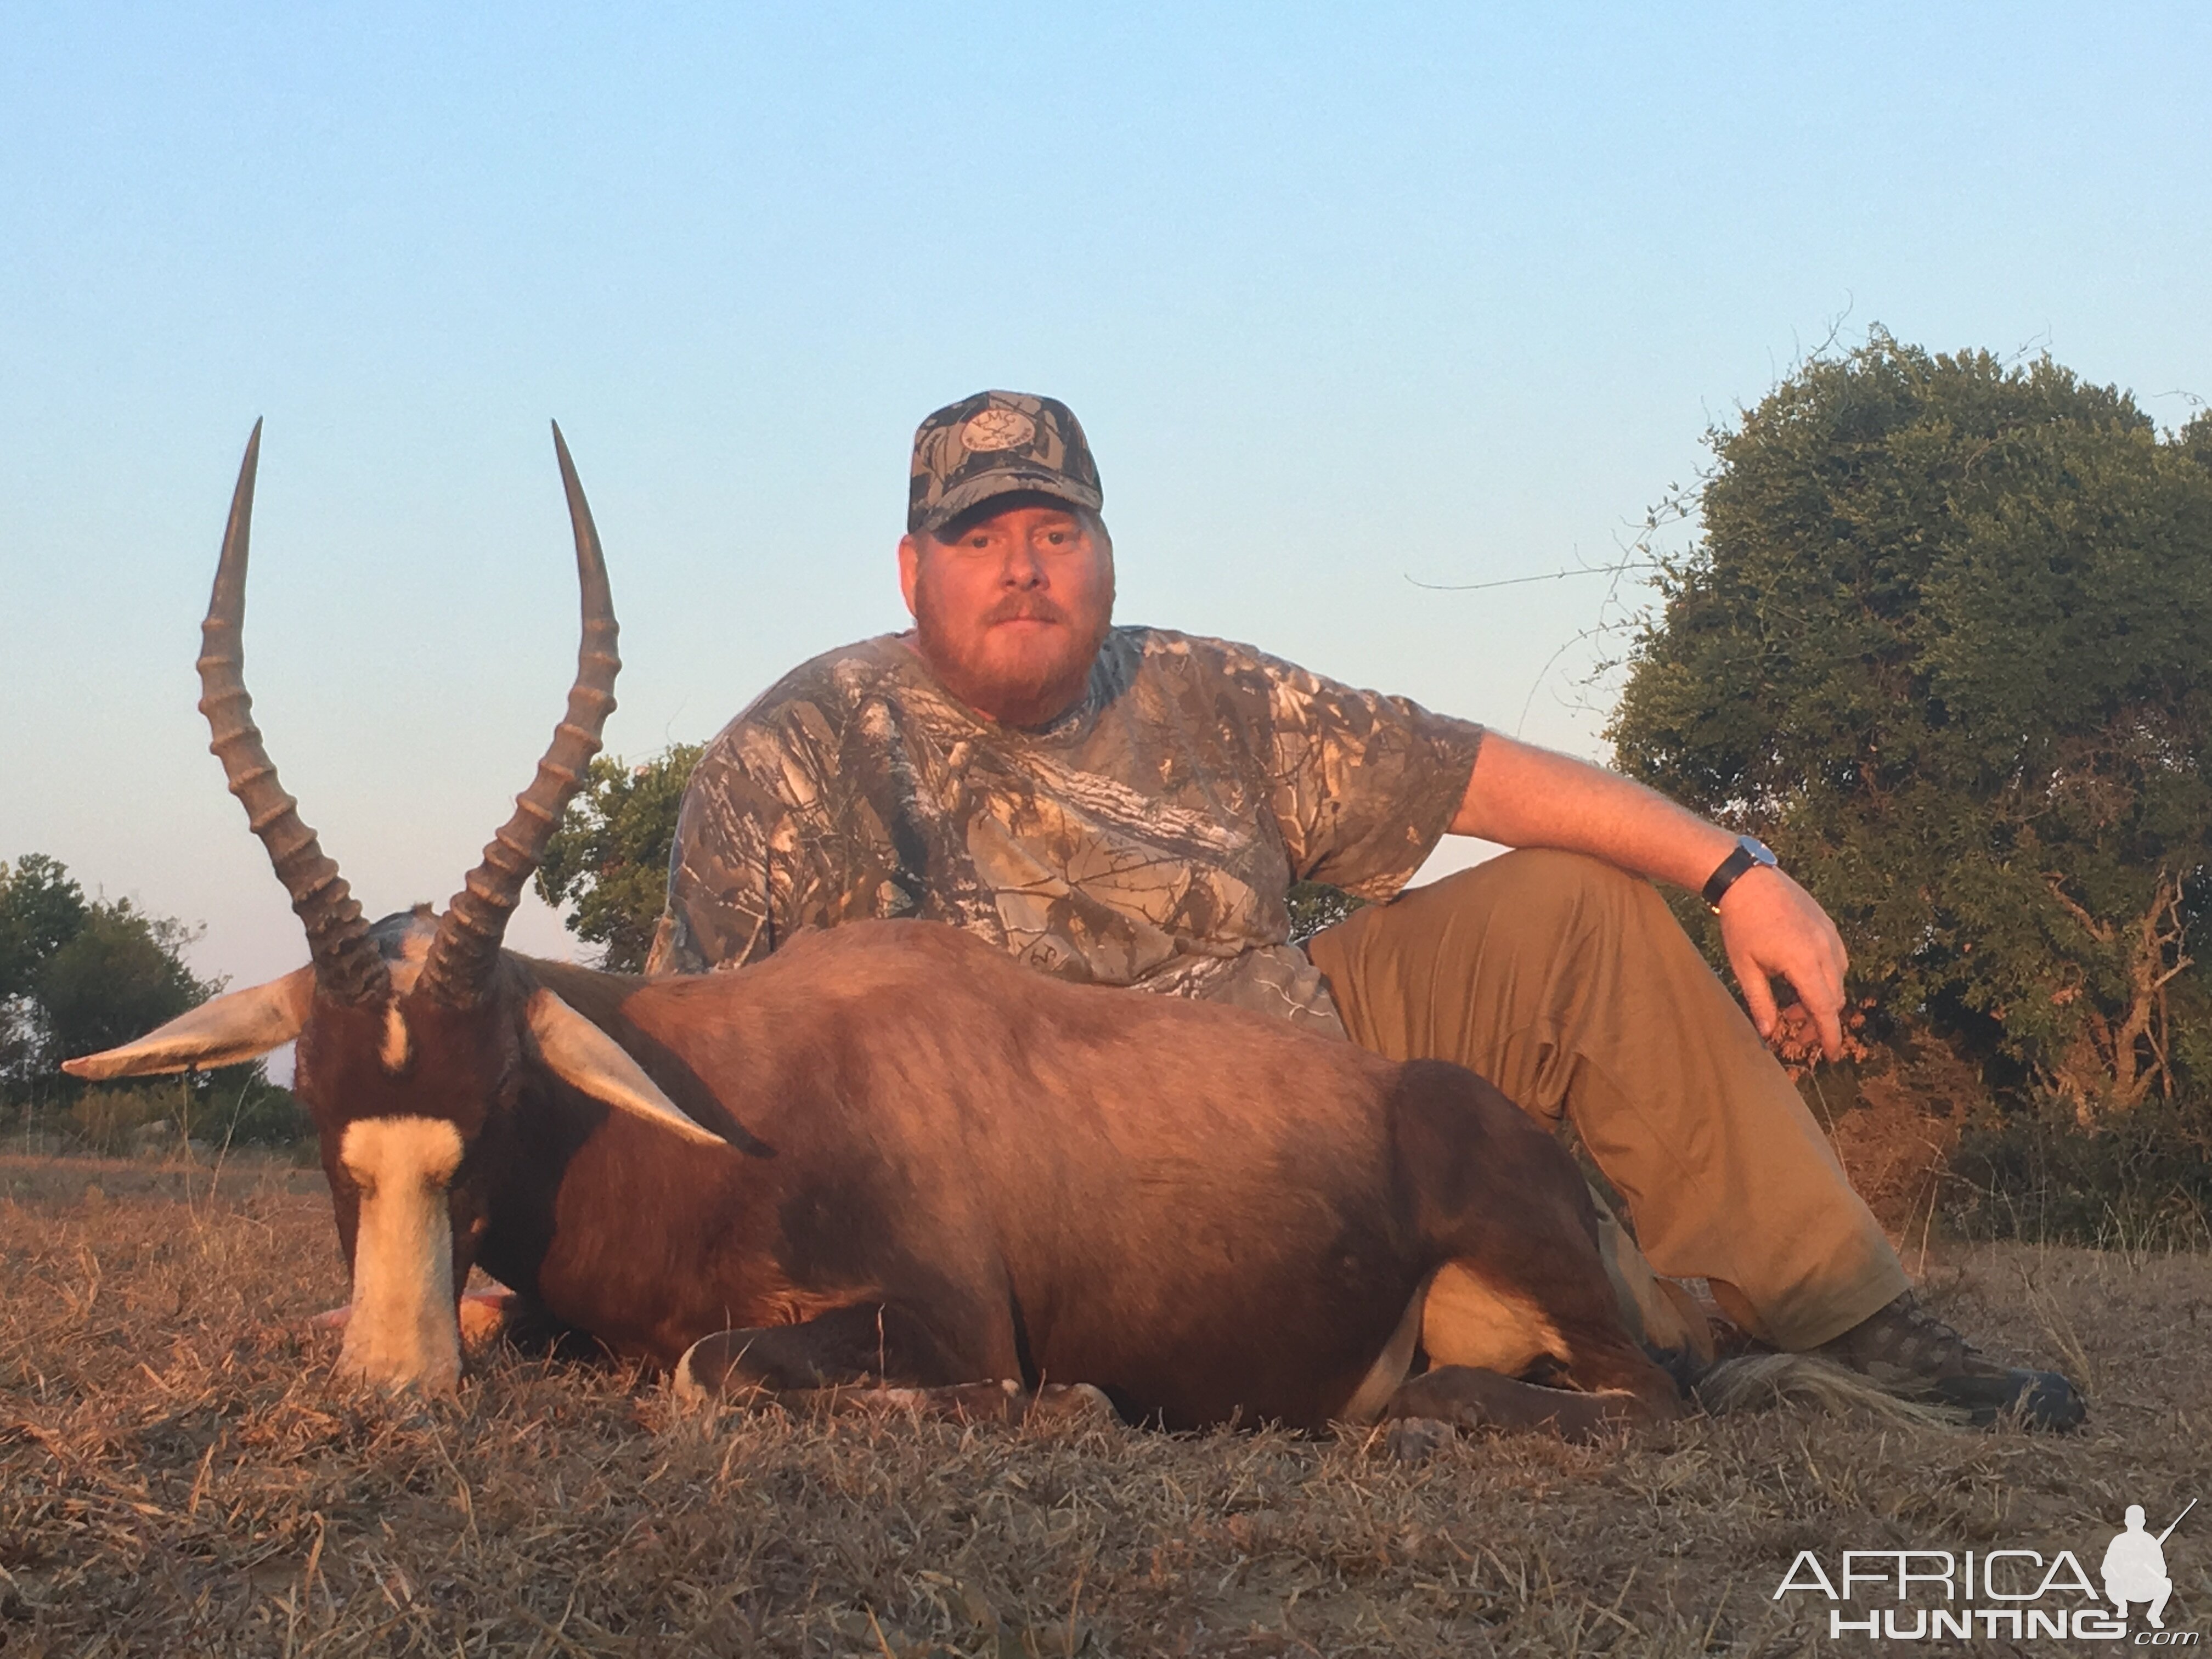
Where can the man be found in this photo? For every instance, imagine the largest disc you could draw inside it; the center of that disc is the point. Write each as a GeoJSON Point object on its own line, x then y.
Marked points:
{"type": "Point", "coordinates": [2134, 1568]}
{"type": "Point", "coordinates": [1129, 806]}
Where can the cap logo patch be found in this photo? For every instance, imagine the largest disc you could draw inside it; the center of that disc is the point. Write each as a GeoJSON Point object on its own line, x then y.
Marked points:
{"type": "Point", "coordinates": [997, 428]}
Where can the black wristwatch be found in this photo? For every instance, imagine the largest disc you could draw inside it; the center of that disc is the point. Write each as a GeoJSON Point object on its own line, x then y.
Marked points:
{"type": "Point", "coordinates": [1749, 851]}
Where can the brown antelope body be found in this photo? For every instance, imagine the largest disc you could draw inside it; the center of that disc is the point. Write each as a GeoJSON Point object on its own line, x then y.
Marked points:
{"type": "Point", "coordinates": [890, 1154]}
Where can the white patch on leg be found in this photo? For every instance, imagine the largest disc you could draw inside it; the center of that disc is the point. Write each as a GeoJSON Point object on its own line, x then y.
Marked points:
{"type": "Point", "coordinates": [405, 1332]}
{"type": "Point", "coordinates": [1471, 1321]}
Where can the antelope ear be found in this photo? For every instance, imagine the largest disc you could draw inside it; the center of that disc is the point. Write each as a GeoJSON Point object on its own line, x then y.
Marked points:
{"type": "Point", "coordinates": [221, 1031]}
{"type": "Point", "coordinates": [582, 1055]}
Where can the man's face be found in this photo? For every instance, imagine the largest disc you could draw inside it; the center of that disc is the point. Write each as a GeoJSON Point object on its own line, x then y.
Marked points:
{"type": "Point", "coordinates": [1011, 612]}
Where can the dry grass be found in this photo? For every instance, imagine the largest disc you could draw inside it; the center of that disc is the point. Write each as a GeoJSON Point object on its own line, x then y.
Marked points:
{"type": "Point", "coordinates": [177, 1476]}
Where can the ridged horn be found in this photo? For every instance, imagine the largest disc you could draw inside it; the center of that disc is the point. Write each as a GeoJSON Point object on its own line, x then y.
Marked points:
{"type": "Point", "coordinates": [347, 964]}
{"type": "Point", "coordinates": [459, 968]}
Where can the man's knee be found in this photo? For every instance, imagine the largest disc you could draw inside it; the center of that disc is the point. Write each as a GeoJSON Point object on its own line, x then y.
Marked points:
{"type": "Point", "coordinates": [1543, 887]}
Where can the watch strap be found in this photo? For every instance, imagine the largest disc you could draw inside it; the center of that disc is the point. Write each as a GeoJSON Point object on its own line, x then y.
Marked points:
{"type": "Point", "coordinates": [1744, 858]}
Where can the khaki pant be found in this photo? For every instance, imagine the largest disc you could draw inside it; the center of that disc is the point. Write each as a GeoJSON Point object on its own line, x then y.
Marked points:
{"type": "Point", "coordinates": [1567, 983]}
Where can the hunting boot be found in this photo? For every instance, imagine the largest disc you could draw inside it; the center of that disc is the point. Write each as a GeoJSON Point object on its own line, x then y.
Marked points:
{"type": "Point", "coordinates": [1907, 1349]}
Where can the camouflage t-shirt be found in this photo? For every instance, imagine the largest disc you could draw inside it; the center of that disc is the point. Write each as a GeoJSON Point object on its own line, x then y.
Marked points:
{"type": "Point", "coordinates": [1148, 838]}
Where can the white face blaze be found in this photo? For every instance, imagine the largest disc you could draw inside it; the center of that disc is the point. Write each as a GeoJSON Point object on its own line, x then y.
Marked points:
{"type": "Point", "coordinates": [404, 1332]}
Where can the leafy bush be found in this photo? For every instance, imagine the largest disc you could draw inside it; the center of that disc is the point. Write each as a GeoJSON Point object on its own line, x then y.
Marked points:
{"type": "Point", "coordinates": [260, 1114]}
{"type": "Point", "coordinates": [1947, 643]}
{"type": "Point", "coordinates": [2140, 1180]}
{"type": "Point", "coordinates": [236, 1107]}
{"type": "Point", "coordinates": [108, 1120]}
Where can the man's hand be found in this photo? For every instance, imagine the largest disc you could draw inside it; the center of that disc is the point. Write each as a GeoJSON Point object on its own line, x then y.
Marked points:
{"type": "Point", "coordinates": [1770, 925]}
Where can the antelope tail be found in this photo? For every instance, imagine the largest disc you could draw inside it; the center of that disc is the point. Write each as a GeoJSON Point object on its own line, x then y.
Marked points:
{"type": "Point", "coordinates": [1763, 1380]}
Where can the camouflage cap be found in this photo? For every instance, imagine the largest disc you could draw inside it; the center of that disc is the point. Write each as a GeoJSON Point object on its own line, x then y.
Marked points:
{"type": "Point", "coordinates": [994, 444]}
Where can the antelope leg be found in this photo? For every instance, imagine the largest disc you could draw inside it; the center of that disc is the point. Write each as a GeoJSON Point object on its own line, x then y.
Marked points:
{"type": "Point", "coordinates": [1471, 1399]}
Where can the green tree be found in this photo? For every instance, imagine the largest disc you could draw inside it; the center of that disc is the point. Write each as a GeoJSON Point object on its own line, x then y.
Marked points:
{"type": "Point", "coordinates": [78, 975]}
{"type": "Point", "coordinates": [610, 857]}
{"type": "Point", "coordinates": [41, 911]}
{"type": "Point", "coordinates": [121, 973]}
{"type": "Point", "coordinates": [1945, 642]}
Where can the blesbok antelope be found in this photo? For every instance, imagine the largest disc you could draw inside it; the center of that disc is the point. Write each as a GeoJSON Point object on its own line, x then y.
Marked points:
{"type": "Point", "coordinates": [890, 1154]}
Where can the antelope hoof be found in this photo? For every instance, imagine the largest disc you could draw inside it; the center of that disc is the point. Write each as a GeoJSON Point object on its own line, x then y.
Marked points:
{"type": "Point", "coordinates": [1417, 1439]}
{"type": "Point", "coordinates": [1078, 1405]}
{"type": "Point", "coordinates": [485, 1314]}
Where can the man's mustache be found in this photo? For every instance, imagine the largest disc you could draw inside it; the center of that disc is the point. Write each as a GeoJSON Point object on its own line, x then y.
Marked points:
{"type": "Point", "coordinates": [1025, 607]}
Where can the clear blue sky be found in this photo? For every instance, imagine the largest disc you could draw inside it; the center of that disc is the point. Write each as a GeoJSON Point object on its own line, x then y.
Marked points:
{"type": "Point", "coordinates": [1450, 293]}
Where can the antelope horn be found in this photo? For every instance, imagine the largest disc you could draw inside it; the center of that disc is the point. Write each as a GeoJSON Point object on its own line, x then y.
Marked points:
{"type": "Point", "coordinates": [459, 968]}
{"type": "Point", "coordinates": [347, 963]}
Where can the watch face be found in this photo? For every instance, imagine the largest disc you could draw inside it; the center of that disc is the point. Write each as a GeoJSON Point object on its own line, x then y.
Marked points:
{"type": "Point", "coordinates": [1760, 853]}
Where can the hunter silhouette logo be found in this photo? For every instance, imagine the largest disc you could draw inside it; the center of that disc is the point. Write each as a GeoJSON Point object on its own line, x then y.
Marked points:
{"type": "Point", "coordinates": [2134, 1566]}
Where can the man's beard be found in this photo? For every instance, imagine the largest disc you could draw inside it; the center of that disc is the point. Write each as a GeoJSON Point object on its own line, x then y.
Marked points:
{"type": "Point", "coordinates": [1034, 689]}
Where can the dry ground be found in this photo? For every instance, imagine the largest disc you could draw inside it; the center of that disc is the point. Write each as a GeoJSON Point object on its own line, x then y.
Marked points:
{"type": "Point", "coordinates": [178, 1477]}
